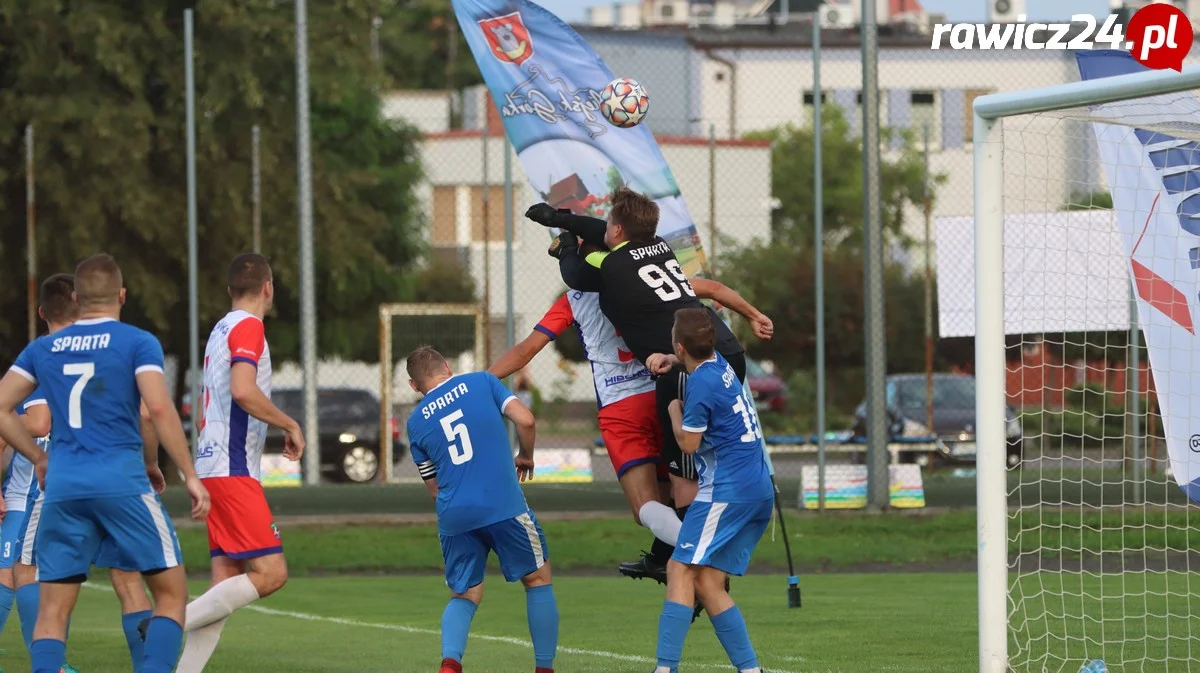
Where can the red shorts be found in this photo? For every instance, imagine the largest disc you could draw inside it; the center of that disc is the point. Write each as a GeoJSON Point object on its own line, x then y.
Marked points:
{"type": "Point", "coordinates": [240, 524]}
{"type": "Point", "coordinates": [632, 433]}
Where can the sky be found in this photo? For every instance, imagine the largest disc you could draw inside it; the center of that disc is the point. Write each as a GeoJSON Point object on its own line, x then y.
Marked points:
{"type": "Point", "coordinates": [955, 10]}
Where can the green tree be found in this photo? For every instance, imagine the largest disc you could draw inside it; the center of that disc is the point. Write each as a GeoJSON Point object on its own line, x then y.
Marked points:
{"type": "Point", "coordinates": [902, 181]}
{"type": "Point", "coordinates": [421, 46]}
{"type": "Point", "coordinates": [103, 83]}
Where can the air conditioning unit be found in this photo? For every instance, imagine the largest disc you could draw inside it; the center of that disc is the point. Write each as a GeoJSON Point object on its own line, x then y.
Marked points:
{"type": "Point", "coordinates": [838, 17]}
{"type": "Point", "coordinates": [1005, 11]}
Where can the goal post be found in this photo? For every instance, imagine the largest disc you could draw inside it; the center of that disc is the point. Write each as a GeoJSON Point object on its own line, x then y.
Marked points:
{"type": "Point", "coordinates": [454, 329]}
{"type": "Point", "coordinates": [993, 485]}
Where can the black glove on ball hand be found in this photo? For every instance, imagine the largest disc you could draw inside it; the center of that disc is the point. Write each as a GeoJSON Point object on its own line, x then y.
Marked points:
{"type": "Point", "coordinates": [544, 214]}
{"type": "Point", "coordinates": [565, 244]}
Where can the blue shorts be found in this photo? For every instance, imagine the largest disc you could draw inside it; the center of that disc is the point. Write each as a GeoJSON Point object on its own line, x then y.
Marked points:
{"type": "Point", "coordinates": [519, 543]}
{"type": "Point", "coordinates": [131, 533]}
{"type": "Point", "coordinates": [12, 533]}
{"type": "Point", "coordinates": [722, 535]}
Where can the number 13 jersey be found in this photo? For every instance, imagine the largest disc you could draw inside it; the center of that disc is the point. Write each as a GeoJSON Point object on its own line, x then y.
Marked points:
{"type": "Point", "coordinates": [88, 374]}
{"type": "Point", "coordinates": [644, 285]}
{"type": "Point", "coordinates": [458, 436]}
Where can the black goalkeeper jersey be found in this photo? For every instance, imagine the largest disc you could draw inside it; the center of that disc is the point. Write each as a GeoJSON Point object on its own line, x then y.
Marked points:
{"type": "Point", "coordinates": [643, 286]}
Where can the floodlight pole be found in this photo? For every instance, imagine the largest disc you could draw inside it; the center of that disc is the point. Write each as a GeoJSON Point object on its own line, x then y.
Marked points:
{"type": "Point", "coordinates": [878, 496]}
{"type": "Point", "coordinates": [818, 261]}
{"type": "Point", "coordinates": [308, 298]}
{"type": "Point", "coordinates": [194, 370]}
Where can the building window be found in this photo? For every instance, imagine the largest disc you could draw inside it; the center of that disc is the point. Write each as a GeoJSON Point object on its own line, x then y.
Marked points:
{"type": "Point", "coordinates": [969, 97]}
{"type": "Point", "coordinates": [808, 98]}
{"type": "Point", "coordinates": [923, 111]}
{"type": "Point", "coordinates": [458, 215]}
{"type": "Point", "coordinates": [668, 11]}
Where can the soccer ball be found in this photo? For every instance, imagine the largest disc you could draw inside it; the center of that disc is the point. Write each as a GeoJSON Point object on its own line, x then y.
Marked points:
{"type": "Point", "coordinates": [624, 103]}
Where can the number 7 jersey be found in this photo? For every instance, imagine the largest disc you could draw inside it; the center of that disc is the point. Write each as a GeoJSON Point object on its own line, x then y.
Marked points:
{"type": "Point", "coordinates": [88, 374]}
{"type": "Point", "coordinates": [458, 435]}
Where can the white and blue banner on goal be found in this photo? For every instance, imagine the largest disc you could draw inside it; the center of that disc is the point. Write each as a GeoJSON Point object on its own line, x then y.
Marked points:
{"type": "Point", "coordinates": [1154, 178]}
{"type": "Point", "coordinates": [546, 83]}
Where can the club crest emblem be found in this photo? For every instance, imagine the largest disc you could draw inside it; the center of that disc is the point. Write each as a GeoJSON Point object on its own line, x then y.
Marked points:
{"type": "Point", "coordinates": [508, 37]}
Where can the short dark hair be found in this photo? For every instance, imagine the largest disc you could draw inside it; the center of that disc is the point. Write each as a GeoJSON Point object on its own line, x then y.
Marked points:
{"type": "Point", "coordinates": [423, 363]}
{"type": "Point", "coordinates": [98, 280]}
{"type": "Point", "coordinates": [55, 300]}
{"type": "Point", "coordinates": [695, 332]}
{"type": "Point", "coordinates": [248, 273]}
{"type": "Point", "coordinates": [636, 213]}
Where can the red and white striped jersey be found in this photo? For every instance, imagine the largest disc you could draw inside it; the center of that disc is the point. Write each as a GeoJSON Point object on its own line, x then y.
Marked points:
{"type": "Point", "coordinates": [616, 372]}
{"type": "Point", "coordinates": [231, 440]}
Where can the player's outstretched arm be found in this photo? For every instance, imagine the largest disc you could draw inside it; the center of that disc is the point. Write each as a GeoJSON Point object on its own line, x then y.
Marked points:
{"type": "Point", "coordinates": [522, 418]}
{"type": "Point", "coordinates": [590, 229]}
{"type": "Point", "coordinates": [515, 359]}
{"type": "Point", "coordinates": [14, 388]}
{"type": "Point", "coordinates": [689, 441]}
{"type": "Point", "coordinates": [243, 386]}
{"type": "Point", "coordinates": [763, 328]}
{"type": "Point", "coordinates": [168, 427]}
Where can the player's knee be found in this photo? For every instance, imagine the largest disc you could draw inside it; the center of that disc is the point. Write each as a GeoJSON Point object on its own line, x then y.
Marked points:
{"type": "Point", "coordinates": [537, 578]}
{"type": "Point", "coordinates": [269, 574]}
{"type": "Point", "coordinates": [710, 583]}
{"type": "Point", "coordinates": [7, 578]}
{"type": "Point", "coordinates": [474, 594]}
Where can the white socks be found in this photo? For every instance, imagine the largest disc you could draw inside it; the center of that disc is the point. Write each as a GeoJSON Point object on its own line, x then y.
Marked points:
{"type": "Point", "coordinates": [219, 602]}
{"type": "Point", "coordinates": [199, 647]}
{"type": "Point", "coordinates": [661, 520]}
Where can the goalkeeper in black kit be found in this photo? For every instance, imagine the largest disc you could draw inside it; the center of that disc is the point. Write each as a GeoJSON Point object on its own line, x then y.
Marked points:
{"type": "Point", "coordinates": [641, 285]}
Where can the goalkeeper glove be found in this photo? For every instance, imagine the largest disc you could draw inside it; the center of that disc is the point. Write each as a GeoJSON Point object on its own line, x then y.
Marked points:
{"type": "Point", "coordinates": [545, 214]}
{"type": "Point", "coordinates": [565, 244]}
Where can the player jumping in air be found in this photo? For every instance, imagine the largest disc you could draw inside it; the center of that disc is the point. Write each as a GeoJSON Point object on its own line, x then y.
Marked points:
{"type": "Point", "coordinates": [629, 423]}
{"type": "Point", "coordinates": [59, 310]}
{"type": "Point", "coordinates": [97, 489]}
{"type": "Point", "coordinates": [247, 553]}
{"type": "Point", "coordinates": [460, 445]}
{"type": "Point", "coordinates": [733, 506]}
{"type": "Point", "coordinates": [641, 284]}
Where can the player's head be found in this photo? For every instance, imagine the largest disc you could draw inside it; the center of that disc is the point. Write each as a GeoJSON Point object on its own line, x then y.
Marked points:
{"type": "Point", "coordinates": [55, 304]}
{"type": "Point", "coordinates": [426, 369]}
{"type": "Point", "coordinates": [250, 277]}
{"type": "Point", "coordinates": [632, 217]}
{"type": "Point", "coordinates": [693, 335]}
{"type": "Point", "coordinates": [98, 283]}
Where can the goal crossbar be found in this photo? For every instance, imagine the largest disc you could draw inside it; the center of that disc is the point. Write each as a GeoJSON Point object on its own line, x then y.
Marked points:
{"type": "Point", "coordinates": [991, 475]}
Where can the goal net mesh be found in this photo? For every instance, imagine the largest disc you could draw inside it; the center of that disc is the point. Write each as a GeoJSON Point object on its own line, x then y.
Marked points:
{"type": "Point", "coordinates": [455, 330]}
{"type": "Point", "coordinates": [1100, 532]}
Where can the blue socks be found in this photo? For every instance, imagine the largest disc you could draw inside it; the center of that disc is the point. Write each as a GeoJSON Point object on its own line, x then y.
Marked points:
{"type": "Point", "coordinates": [456, 624]}
{"type": "Point", "coordinates": [129, 624]}
{"type": "Point", "coordinates": [673, 625]}
{"type": "Point", "coordinates": [48, 655]}
{"type": "Point", "coordinates": [27, 611]}
{"type": "Point", "coordinates": [164, 638]}
{"type": "Point", "coordinates": [541, 609]}
{"type": "Point", "coordinates": [731, 631]}
{"type": "Point", "coordinates": [7, 596]}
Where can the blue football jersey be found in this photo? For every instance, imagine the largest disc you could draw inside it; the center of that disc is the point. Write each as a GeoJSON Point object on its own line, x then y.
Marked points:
{"type": "Point", "coordinates": [20, 486]}
{"type": "Point", "coordinates": [457, 432]}
{"type": "Point", "coordinates": [730, 460]}
{"type": "Point", "coordinates": [88, 374]}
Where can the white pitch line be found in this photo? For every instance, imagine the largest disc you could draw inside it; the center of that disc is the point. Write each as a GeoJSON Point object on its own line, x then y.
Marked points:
{"type": "Point", "coordinates": [342, 621]}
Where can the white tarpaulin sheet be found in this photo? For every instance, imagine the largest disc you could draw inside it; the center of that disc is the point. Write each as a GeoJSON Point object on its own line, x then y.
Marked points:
{"type": "Point", "coordinates": [1064, 271]}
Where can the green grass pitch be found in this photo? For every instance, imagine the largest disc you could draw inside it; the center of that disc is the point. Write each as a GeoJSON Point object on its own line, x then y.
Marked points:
{"type": "Point", "coordinates": [848, 623]}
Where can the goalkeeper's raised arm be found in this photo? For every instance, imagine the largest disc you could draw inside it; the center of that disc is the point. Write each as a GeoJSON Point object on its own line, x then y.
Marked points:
{"type": "Point", "coordinates": [589, 229]}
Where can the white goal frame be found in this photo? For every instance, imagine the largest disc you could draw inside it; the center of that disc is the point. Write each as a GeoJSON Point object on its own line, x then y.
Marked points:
{"type": "Point", "coordinates": [991, 484]}
{"type": "Point", "coordinates": [387, 362]}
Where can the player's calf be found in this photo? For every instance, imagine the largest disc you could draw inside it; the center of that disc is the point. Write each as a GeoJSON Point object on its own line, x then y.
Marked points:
{"type": "Point", "coordinates": [541, 610]}
{"type": "Point", "coordinates": [456, 625]}
{"type": "Point", "coordinates": [136, 611]}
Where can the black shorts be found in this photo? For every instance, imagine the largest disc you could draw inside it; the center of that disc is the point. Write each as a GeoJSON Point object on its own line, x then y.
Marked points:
{"type": "Point", "coordinates": [673, 386]}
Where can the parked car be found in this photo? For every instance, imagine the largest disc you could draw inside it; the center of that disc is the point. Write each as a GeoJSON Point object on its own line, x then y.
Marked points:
{"type": "Point", "coordinates": [953, 415]}
{"type": "Point", "coordinates": [770, 392]}
{"type": "Point", "coordinates": [349, 425]}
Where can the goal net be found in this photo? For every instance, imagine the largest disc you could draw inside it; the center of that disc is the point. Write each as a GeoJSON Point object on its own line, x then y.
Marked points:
{"type": "Point", "coordinates": [1088, 370]}
{"type": "Point", "coordinates": [456, 330]}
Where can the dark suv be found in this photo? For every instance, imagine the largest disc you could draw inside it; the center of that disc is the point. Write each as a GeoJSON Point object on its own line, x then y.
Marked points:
{"type": "Point", "coordinates": [349, 425]}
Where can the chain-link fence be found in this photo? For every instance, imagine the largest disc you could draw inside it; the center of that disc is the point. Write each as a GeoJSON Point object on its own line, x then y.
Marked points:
{"type": "Point", "coordinates": [732, 110]}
